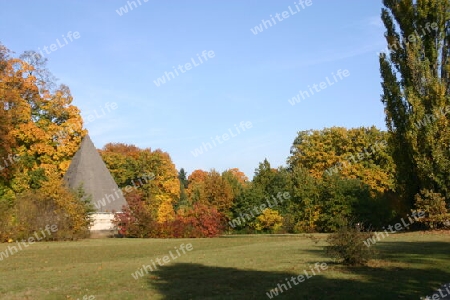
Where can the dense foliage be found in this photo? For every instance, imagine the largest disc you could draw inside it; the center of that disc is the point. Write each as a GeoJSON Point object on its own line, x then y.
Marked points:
{"type": "Point", "coordinates": [416, 85]}
{"type": "Point", "coordinates": [302, 197]}
{"type": "Point", "coordinates": [40, 131]}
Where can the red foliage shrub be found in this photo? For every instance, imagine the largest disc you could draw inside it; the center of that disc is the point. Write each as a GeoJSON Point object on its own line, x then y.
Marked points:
{"type": "Point", "coordinates": [200, 221]}
{"type": "Point", "coordinates": [134, 219]}
{"type": "Point", "coordinates": [197, 222]}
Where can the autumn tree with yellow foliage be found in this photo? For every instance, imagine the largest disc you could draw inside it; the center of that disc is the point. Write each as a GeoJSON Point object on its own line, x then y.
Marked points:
{"type": "Point", "coordinates": [357, 153]}
{"type": "Point", "coordinates": [128, 164]}
{"type": "Point", "coordinates": [42, 130]}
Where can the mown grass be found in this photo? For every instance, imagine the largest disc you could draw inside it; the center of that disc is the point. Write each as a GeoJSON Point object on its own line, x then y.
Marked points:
{"type": "Point", "coordinates": [409, 265]}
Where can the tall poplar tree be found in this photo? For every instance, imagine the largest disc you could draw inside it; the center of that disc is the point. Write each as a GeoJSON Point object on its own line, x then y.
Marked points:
{"type": "Point", "coordinates": [415, 81]}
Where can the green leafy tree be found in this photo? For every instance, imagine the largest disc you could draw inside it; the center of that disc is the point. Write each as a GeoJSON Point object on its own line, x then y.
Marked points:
{"type": "Point", "coordinates": [338, 200]}
{"type": "Point", "coordinates": [304, 208]}
{"type": "Point", "coordinates": [184, 199]}
{"type": "Point", "coordinates": [272, 180]}
{"type": "Point", "coordinates": [251, 196]}
{"type": "Point", "coordinates": [415, 80]}
{"type": "Point", "coordinates": [182, 176]}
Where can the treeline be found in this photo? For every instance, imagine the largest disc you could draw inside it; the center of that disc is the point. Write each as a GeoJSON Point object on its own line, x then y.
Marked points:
{"type": "Point", "coordinates": [333, 176]}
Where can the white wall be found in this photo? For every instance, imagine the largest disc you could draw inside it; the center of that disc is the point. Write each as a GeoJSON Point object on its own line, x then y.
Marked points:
{"type": "Point", "coordinates": [102, 221]}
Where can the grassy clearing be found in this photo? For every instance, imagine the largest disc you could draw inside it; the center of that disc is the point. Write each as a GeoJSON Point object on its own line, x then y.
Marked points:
{"type": "Point", "coordinates": [410, 265]}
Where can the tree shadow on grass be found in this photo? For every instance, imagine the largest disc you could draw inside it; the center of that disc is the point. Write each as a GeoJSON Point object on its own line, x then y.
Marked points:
{"type": "Point", "coordinates": [420, 254]}
{"type": "Point", "coordinates": [398, 250]}
{"type": "Point", "coordinates": [401, 270]}
{"type": "Point", "coordinates": [196, 281]}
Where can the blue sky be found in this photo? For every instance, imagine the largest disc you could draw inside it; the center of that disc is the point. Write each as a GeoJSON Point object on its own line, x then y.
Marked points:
{"type": "Point", "coordinates": [250, 77]}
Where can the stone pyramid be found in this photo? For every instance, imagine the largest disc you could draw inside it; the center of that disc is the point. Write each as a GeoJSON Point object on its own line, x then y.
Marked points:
{"type": "Point", "coordinates": [88, 169]}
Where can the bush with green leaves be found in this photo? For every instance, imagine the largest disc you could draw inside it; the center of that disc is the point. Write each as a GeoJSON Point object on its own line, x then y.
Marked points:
{"type": "Point", "coordinates": [347, 246]}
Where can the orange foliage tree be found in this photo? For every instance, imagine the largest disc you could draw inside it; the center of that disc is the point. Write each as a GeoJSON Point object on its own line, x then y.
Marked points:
{"type": "Point", "coordinates": [45, 129]}
{"type": "Point", "coordinates": [41, 130]}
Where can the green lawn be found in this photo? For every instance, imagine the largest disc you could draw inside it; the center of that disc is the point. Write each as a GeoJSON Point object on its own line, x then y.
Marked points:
{"type": "Point", "coordinates": [410, 265]}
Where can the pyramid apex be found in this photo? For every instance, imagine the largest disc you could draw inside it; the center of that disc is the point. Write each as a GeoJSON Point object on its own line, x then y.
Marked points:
{"type": "Point", "coordinates": [88, 170]}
